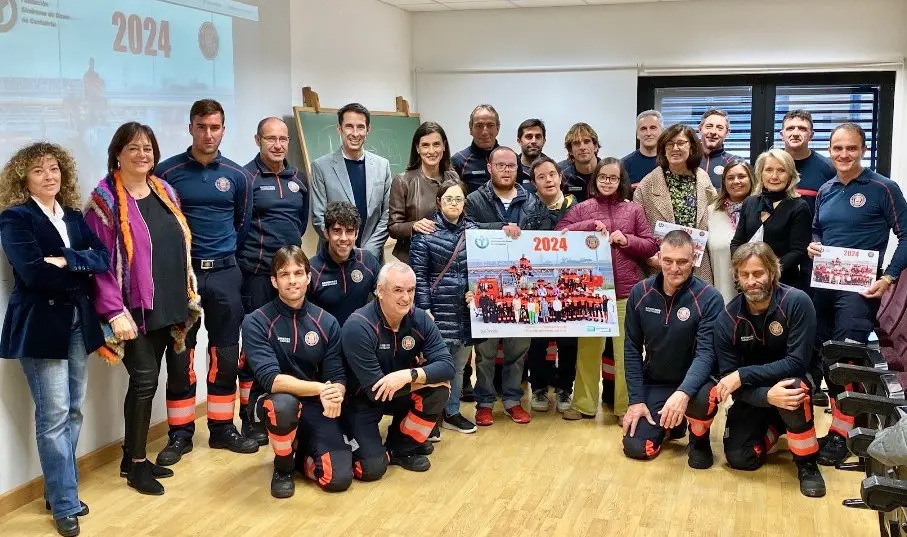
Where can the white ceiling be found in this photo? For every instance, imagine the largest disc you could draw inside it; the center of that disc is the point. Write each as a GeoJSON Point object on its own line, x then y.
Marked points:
{"type": "Point", "coordinates": [449, 5]}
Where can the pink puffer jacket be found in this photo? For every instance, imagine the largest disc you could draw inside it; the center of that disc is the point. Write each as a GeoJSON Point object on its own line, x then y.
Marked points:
{"type": "Point", "coordinates": [617, 215]}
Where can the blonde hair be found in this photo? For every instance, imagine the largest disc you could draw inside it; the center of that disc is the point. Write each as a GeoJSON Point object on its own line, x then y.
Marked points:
{"type": "Point", "coordinates": [789, 166]}
{"type": "Point", "coordinates": [765, 254]}
{"type": "Point", "coordinates": [14, 176]}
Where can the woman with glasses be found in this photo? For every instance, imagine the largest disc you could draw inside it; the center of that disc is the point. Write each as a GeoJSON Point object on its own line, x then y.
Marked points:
{"type": "Point", "coordinates": [677, 191]}
{"type": "Point", "coordinates": [724, 215]}
{"type": "Point", "coordinates": [50, 324]}
{"type": "Point", "coordinates": [776, 214]}
{"type": "Point", "coordinates": [442, 287]}
{"type": "Point", "coordinates": [413, 192]}
{"type": "Point", "coordinates": [623, 222]}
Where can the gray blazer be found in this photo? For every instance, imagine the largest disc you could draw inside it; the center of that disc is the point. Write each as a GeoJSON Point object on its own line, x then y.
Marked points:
{"type": "Point", "coordinates": [331, 182]}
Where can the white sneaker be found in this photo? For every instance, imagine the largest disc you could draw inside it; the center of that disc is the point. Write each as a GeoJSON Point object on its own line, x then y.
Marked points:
{"type": "Point", "coordinates": [564, 400]}
{"type": "Point", "coordinates": [540, 401]}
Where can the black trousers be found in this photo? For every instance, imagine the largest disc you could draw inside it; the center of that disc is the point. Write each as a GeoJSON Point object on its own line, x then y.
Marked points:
{"type": "Point", "coordinates": [751, 431]}
{"type": "Point", "coordinates": [142, 359]}
{"type": "Point", "coordinates": [256, 292]}
{"type": "Point", "coordinates": [414, 416]}
{"type": "Point", "coordinates": [542, 371]}
{"type": "Point", "coordinates": [646, 443]}
{"type": "Point", "coordinates": [304, 439]}
{"type": "Point", "coordinates": [223, 314]}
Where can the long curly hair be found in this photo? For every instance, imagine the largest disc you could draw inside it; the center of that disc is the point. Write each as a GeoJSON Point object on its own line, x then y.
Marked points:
{"type": "Point", "coordinates": [14, 176]}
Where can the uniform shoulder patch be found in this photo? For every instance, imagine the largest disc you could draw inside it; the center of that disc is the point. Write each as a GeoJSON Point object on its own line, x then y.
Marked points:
{"type": "Point", "coordinates": [776, 328]}
{"type": "Point", "coordinates": [408, 343]}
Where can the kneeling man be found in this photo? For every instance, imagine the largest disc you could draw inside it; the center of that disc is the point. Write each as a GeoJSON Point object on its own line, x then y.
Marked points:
{"type": "Point", "coordinates": [399, 365]}
{"type": "Point", "coordinates": [671, 316]}
{"type": "Point", "coordinates": [764, 346]}
{"type": "Point", "coordinates": [293, 349]}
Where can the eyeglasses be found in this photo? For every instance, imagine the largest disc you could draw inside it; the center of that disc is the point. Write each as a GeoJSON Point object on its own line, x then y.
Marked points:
{"type": "Point", "coordinates": [679, 145]}
{"type": "Point", "coordinates": [608, 179]}
{"type": "Point", "coordinates": [453, 200]}
{"type": "Point", "coordinates": [501, 166]}
{"type": "Point", "coordinates": [272, 140]}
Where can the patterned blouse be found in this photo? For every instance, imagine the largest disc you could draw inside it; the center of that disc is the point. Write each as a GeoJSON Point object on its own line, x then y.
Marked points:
{"type": "Point", "coordinates": [683, 197]}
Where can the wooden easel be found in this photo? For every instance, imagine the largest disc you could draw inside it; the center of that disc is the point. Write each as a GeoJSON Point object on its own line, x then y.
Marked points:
{"type": "Point", "coordinates": [310, 100]}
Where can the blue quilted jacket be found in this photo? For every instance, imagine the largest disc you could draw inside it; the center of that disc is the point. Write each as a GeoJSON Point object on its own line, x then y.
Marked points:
{"type": "Point", "coordinates": [428, 256]}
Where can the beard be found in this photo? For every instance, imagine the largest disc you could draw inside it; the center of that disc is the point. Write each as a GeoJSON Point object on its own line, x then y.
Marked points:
{"type": "Point", "coordinates": [532, 152]}
{"type": "Point", "coordinates": [758, 294]}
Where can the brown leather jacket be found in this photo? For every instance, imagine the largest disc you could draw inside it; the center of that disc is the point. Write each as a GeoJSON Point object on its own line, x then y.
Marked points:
{"type": "Point", "coordinates": [413, 197]}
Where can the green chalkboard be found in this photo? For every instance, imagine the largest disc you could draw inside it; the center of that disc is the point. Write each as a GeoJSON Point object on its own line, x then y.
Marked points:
{"type": "Point", "coordinates": [390, 137]}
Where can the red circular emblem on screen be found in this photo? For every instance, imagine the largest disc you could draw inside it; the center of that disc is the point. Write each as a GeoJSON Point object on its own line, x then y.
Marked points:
{"type": "Point", "coordinates": [592, 242]}
{"type": "Point", "coordinates": [208, 40]}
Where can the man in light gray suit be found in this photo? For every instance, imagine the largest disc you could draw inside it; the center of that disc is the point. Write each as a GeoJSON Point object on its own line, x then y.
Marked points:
{"type": "Point", "coordinates": [354, 175]}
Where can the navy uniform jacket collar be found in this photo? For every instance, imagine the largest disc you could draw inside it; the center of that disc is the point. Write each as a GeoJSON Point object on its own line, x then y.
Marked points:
{"type": "Point", "coordinates": [287, 171]}
{"type": "Point", "coordinates": [479, 151]}
{"type": "Point", "coordinates": [660, 287]}
{"type": "Point", "coordinates": [192, 158]}
{"type": "Point", "coordinates": [863, 178]}
{"type": "Point", "coordinates": [406, 323]}
{"type": "Point", "coordinates": [719, 151]}
{"type": "Point", "coordinates": [328, 260]}
{"type": "Point", "coordinates": [285, 309]}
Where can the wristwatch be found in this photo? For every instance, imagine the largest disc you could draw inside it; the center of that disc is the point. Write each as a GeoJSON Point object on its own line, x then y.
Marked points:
{"type": "Point", "coordinates": [414, 374]}
{"type": "Point", "coordinates": [888, 278]}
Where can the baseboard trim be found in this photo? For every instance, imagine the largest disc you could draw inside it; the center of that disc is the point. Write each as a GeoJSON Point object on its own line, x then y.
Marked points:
{"type": "Point", "coordinates": [34, 489]}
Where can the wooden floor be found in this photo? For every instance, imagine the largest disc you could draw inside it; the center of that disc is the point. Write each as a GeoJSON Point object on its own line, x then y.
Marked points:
{"type": "Point", "coordinates": [551, 477]}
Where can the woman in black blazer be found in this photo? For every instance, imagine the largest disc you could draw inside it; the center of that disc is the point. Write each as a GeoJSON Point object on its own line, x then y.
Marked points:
{"type": "Point", "coordinates": [51, 325]}
{"type": "Point", "coordinates": [776, 215]}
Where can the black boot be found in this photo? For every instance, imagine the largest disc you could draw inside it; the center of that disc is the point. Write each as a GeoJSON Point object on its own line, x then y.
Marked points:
{"type": "Point", "coordinates": [832, 449]}
{"type": "Point", "coordinates": [141, 479]}
{"type": "Point", "coordinates": [411, 462]}
{"type": "Point", "coordinates": [700, 455]}
{"type": "Point", "coordinates": [68, 526]}
{"type": "Point", "coordinates": [177, 446]}
{"type": "Point", "coordinates": [282, 484]}
{"type": "Point", "coordinates": [252, 430]}
{"type": "Point", "coordinates": [811, 482]}
{"type": "Point", "coordinates": [229, 438]}
{"type": "Point", "coordinates": [158, 472]}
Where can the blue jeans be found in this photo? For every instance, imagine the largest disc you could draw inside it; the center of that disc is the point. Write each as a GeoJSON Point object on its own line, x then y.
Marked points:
{"type": "Point", "coordinates": [460, 355]}
{"type": "Point", "coordinates": [58, 390]}
{"type": "Point", "coordinates": [515, 350]}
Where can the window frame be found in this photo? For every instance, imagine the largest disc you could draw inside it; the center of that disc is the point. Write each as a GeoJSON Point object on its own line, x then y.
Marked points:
{"type": "Point", "coordinates": [764, 89]}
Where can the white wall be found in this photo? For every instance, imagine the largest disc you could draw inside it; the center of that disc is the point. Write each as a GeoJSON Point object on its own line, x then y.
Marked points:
{"type": "Point", "coordinates": [351, 51]}
{"type": "Point", "coordinates": [720, 33]}
{"type": "Point", "coordinates": [292, 51]}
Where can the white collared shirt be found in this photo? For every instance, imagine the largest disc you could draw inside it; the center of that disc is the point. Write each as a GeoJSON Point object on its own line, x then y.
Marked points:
{"type": "Point", "coordinates": [347, 157]}
{"type": "Point", "coordinates": [56, 218]}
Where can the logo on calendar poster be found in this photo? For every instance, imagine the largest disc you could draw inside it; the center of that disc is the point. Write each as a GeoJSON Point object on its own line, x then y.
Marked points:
{"type": "Point", "coordinates": [222, 184]}
{"type": "Point", "coordinates": [408, 343]}
{"type": "Point", "coordinates": [293, 186]}
{"type": "Point", "coordinates": [481, 241]}
{"type": "Point", "coordinates": [356, 275]}
{"type": "Point", "coordinates": [592, 242]}
{"type": "Point", "coordinates": [775, 328]}
{"type": "Point", "coordinates": [857, 200]}
{"type": "Point", "coordinates": [311, 338]}
{"type": "Point", "coordinates": [719, 169]}
{"type": "Point", "coordinates": [683, 314]}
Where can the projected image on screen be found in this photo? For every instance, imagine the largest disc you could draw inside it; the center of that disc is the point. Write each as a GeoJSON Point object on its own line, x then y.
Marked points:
{"type": "Point", "coordinates": [74, 70]}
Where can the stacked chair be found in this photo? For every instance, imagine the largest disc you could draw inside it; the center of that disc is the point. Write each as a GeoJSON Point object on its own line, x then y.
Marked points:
{"type": "Point", "coordinates": [876, 376]}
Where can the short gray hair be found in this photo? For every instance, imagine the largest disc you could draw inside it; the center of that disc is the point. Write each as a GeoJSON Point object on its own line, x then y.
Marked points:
{"type": "Point", "coordinates": [651, 113]}
{"type": "Point", "coordinates": [395, 266]}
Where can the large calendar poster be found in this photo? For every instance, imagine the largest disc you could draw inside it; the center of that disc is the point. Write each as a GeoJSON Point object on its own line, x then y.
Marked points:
{"type": "Point", "coordinates": [544, 283]}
